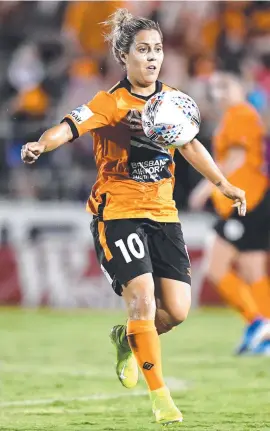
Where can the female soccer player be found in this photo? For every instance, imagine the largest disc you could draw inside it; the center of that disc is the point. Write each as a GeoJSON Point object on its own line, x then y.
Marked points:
{"type": "Point", "coordinates": [236, 263]}
{"type": "Point", "coordinates": [137, 233]}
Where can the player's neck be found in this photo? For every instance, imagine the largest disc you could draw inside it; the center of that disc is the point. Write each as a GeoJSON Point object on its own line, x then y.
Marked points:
{"type": "Point", "coordinates": [236, 101]}
{"type": "Point", "coordinates": [142, 91]}
{"type": "Point", "coordinates": [237, 97]}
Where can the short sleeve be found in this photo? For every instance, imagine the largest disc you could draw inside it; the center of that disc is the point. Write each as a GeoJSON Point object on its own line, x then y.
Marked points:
{"type": "Point", "coordinates": [99, 112]}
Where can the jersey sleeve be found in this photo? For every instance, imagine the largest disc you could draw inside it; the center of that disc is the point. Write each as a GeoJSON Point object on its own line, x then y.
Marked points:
{"type": "Point", "coordinates": [101, 111]}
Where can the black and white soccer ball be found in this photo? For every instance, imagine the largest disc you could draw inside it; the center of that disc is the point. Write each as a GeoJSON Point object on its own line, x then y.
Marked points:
{"type": "Point", "coordinates": [171, 118]}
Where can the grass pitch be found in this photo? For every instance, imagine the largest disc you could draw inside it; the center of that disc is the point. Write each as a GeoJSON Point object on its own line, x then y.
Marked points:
{"type": "Point", "coordinates": [57, 373]}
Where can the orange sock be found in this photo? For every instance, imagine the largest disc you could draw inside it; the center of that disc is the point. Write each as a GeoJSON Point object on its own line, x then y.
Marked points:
{"type": "Point", "coordinates": [145, 345]}
{"type": "Point", "coordinates": [261, 294]}
{"type": "Point", "coordinates": [238, 294]}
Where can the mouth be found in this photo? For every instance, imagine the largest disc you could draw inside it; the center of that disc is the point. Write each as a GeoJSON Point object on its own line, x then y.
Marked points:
{"type": "Point", "coordinates": [152, 67]}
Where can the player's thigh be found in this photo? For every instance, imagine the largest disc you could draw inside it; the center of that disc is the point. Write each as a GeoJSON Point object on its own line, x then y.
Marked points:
{"type": "Point", "coordinates": [219, 256]}
{"type": "Point", "coordinates": [122, 250]}
{"type": "Point", "coordinates": [173, 297]}
{"type": "Point", "coordinates": [169, 254]}
{"type": "Point", "coordinates": [252, 265]}
{"type": "Point", "coordinates": [172, 271]}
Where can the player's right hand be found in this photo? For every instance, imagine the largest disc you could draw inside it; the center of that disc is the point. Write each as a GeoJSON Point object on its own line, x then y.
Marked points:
{"type": "Point", "coordinates": [31, 151]}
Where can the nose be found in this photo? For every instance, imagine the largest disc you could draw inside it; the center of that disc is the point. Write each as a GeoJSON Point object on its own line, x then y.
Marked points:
{"type": "Point", "coordinates": [151, 55]}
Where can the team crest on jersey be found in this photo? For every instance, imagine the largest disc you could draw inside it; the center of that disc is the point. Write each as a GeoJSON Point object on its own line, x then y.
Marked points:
{"type": "Point", "coordinates": [148, 161]}
{"type": "Point", "coordinates": [133, 120]}
{"type": "Point", "coordinates": [81, 114]}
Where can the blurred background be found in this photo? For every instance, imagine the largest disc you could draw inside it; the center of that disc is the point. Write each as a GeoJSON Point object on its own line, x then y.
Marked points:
{"type": "Point", "coordinates": [53, 58]}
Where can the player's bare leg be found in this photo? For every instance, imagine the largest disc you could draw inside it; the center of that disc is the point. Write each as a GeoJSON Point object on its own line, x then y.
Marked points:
{"type": "Point", "coordinates": [218, 266]}
{"type": "Point", "coordinates": [173, 299]}
{"type": "Point", "coordinates": [252, 267]}
{"type": "Point", "coordinates": [144, 342]}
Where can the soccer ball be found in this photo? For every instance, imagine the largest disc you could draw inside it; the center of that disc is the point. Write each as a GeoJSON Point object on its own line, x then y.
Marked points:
{"type": "Point", "coordinates": [171, 118]}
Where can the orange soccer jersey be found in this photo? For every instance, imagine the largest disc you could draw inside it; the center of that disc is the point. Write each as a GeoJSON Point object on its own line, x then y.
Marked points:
{"type": "Point", "coordinates": [135, 176]}
{"type": "Point", "coordinates": [242, 126]}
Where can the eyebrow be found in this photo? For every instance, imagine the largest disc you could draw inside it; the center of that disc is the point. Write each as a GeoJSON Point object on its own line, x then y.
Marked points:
{"type": "Point", "coordinates": [145, 43]}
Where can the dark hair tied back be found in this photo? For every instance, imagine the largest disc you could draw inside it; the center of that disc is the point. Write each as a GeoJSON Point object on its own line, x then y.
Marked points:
{"type": "Point", "coordinates": [123, 29]}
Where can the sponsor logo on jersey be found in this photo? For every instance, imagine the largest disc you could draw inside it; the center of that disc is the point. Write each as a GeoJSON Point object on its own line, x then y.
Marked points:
{"type": "Point", "coordinates": [149, 170]}
{"type": "Point", "coordinates": [81, 114]}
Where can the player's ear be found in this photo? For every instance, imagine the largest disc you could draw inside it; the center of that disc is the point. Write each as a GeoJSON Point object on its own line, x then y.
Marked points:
{"type": "Point", "coordinates": [123, 57]}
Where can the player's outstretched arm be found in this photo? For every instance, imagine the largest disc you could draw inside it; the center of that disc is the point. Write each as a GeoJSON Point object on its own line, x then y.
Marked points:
{"type": "Point", "coordinates": [197, 155]}
{"type": "Point", "coordinates": [50, 140]}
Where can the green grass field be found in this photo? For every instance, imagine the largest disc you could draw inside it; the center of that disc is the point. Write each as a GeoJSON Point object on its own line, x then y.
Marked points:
{"type": "Point", "coordinates": [57, 373]}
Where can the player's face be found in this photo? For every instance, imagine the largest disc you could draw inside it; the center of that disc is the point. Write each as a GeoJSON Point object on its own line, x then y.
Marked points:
{"type": "Point", "coordinates": [219, 89]}
{"type": "Point", "coordinates": [225, 90]}
{"type": "Point", "coordinates": [144, 60]}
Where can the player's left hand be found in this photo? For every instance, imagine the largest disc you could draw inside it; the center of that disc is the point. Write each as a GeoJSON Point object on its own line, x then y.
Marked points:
{"type": "Point", "coordinates": [237, 195]}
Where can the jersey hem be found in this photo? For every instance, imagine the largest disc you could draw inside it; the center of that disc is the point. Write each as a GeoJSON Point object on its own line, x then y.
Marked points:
{"type": "Point", "coordinates": [161, 219]}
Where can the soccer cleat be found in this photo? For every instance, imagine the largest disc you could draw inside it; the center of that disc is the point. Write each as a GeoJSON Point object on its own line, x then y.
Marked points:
{"type": "Point", "coordinates": [254, 335]}
{"type": "Point", "coordinates": [126, 364]}
{"type": "Point", "coordinates": [164, 409]}
{"type": "Point", "coordinates": [262, 349]}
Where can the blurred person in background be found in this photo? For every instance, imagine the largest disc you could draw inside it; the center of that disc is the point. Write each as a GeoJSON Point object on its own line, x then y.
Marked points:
{"type": "Point", "coordinates": [230, 44]}
{"type": "Point", "coordinates": [255, 92]}
{"type": "Point", "coordinates": [236, 262]}
{"type": "Point", "coordinates": [151, 272]}
{"type": "Point", "coordinates": [35, 72]}
{"type": "Point", "coordinates": [89, 54]}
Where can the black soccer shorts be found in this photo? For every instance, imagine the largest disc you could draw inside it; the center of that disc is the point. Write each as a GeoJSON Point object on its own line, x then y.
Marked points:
{"type": "Point", "coordinates": [128, 248]}
{"type": "Point", "coordinates": [249, 233]}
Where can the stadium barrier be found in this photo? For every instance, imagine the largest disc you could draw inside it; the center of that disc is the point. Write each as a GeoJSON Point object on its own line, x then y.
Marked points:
{"type": "Point", "coordinates": [47, 257]}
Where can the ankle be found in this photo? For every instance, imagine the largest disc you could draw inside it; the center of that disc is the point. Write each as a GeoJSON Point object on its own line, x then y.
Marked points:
{"type": "Point", "coordinates": [123, 339]}
{"type": "Point", "coordinates": [160, 391]}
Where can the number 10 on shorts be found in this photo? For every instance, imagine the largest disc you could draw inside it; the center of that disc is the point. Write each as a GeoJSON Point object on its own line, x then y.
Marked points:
{"type": "Point", "coordinates": [130, 249]}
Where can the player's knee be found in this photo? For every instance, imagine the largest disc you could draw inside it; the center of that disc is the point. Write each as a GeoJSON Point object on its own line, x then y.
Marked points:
{"type": "Point", "coordinates": [140, 299]}
{"type": "Point", "coordinates": [252, 266]}
{"type": "Point", "coordinates": [178, 309]}
{"type": "Point", "coordinates": [211, 273]}
{"type": "Point", "coordinates": [213, 276]}
{"type": "Point", "coordinates": [179, 315]}
{"type": "Point", "coordinates": [163, 321]}
{"type": "Point", "coordinates": [171, 321]}
{"type": "Point", "coordinates": [219, 260]}
{"type": "Point", "coordinates": [142, 305]}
